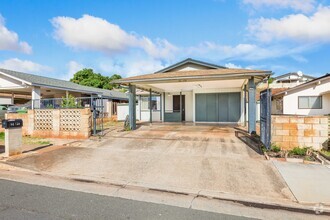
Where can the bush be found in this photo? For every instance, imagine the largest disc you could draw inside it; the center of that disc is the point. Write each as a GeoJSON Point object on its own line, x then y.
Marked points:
{"type": "Point", "coordinates": [298, 151]}
{"type": "Point", "coordinates": [275, 148]}
{"type": "Point", "coordinates": [2, 135]}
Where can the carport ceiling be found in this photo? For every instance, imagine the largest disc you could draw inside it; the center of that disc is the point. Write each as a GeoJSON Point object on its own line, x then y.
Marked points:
{"type": "Point", "coordinates": [189, 86]}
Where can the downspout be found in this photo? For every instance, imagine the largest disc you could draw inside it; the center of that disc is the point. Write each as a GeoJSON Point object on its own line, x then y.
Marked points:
{"type": "Point", "coordinates": [150, 106]}
{"type": "Point", "coordinates": [181, 106]}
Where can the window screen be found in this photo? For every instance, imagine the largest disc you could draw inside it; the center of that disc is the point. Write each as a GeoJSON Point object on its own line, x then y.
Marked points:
{"type": "Point", "coordinates": [155, 103]}
{"type": "Point", "coordinates": [310, 102]}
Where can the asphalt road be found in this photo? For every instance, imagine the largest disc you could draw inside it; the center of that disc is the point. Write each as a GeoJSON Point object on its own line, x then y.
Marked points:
{"type": "Point", "coordinates": [25, 201]}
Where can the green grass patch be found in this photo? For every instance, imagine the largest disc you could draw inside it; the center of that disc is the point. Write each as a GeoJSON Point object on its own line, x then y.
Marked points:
{"type": "Point", "coordinates": [326, 152]}
{"type": "Point", "coordinates": [43, 142]}
{"type": "Point", "coordinates": [2, 136]}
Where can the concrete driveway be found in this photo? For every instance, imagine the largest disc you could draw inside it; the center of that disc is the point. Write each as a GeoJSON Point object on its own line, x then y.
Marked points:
{"type": "Point", "coordinates": [182, 158]}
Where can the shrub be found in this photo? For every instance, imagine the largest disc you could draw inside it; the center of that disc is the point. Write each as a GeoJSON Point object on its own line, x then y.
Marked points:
{"type": "Point", "coordinates": [2, 135]}
{"type": "Point", "coordinates": [298, 151]}
{"type": "Point", "coordinates": [275, 148]}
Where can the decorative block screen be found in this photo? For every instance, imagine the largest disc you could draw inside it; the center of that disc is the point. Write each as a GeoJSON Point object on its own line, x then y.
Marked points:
{"type": "Point", "coordinates": [70, 120]}
{"type": "Point", "coordinates": [43, 119]}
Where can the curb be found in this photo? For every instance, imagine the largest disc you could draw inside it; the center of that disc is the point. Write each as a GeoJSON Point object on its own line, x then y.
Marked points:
{"type": "Point", "coordinates": [318, 209]}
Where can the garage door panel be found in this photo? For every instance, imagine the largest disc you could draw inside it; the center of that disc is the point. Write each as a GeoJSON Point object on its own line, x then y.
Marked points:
{"type": "Point", "coordinates": [234, 100]}
{"type": "Point", "coordinates": [223, 107]}
{"type": "Point", "coordinates": [218, 107]}
{"type": "Point", "coordinates": [212, 107]}
{"type": "Point", "coordinates": [200, 107]}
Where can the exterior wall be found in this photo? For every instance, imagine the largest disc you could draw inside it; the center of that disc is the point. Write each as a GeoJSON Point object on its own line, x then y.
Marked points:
{"type": "Point", "coordinates": [189, 66]}
{"type": "Point", "coordinates": [188, 104]}
{"type": "Point", "coordinates": [289, 131]}
{"type": "Point", "coordinates": [123, 111]}
{"type": "Point", "coordinates": [6, 101]}
{"type": "Point", "coordinates": [57, 123]}
{"type": "Point", "coordinates": [290, 101]}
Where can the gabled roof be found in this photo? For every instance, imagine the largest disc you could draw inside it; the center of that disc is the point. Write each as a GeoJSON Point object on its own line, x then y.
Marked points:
{"type": "Point", "coordinates": [326, 76]}
{"type": "Point", "coordinates": [35, 80]}
{"type": "Point", "coordinates": [294, 73]}
{"type": "Point", "coordinates": [189, 60]}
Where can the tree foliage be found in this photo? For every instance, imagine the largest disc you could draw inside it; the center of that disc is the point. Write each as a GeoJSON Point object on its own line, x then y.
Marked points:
{"type": "Point", "coordinates": [87, 77]}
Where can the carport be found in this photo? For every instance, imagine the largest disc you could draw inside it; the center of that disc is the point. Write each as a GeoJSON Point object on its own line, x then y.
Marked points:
{"type": "Point", "coordinates": [200, 96]}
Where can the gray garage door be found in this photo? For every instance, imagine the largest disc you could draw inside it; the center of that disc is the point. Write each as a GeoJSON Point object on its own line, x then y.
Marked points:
{"type": "Point", "coordinates": [218, 107]}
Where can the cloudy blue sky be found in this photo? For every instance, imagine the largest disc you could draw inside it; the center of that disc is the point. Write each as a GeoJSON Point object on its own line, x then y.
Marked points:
{"type": "Point", "coordinates": [56, 38]}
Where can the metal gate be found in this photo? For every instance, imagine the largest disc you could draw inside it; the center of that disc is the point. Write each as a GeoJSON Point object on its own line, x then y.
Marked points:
{"type": "Point", "coordinates": [97, 107]}
{"type": "Point", "coordinates": [265, 117]}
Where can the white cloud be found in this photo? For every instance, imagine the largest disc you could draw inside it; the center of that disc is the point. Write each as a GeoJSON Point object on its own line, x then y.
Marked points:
{"type": "Point", "coordinates": [233, 66]}
{"type": "Point", "coordinates": [248, 52]}
{"type": "Point", "coordinates": [131, 67]}
{"type": "Point", "coordinates": [24, 66]}
{"type": "Point", "coordinates": [9, 40]}
{"type": "Point", "coordinates": [298, 5]}
{"type": "Point", "coordinates": [311, 29]}
{"type": "Point", "coordinates": [97, 34]}
{"type": "Point", "coordinates": [73, 67]}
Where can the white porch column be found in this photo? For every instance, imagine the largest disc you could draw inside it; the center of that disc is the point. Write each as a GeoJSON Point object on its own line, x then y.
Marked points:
{"type": "Point", "coordinates": [12, 98]}
{"type": "Point", "coordinates": [252, 106]}
{"type": "Point", "coordinates": [36, 95]}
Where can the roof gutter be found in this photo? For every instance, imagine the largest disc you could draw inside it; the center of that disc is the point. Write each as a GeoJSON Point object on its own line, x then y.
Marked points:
{"type": "Point", "coordinates": [193, 77]}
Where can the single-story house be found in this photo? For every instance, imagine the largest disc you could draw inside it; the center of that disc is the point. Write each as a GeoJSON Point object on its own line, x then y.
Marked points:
{"type": "Point", "coordinates": [200, 92]}
{"type": "Point", "coordinates": [24, 88]}
{"type": "Point", "coordinates": [310, 98]}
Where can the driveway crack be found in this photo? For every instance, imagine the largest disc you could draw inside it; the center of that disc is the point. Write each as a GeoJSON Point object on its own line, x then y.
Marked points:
{"type": "Point", "coordinates": [191, 202]}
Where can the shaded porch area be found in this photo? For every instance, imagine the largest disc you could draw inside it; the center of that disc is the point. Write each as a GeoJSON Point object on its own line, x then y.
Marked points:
{"type": "Point", "coordinates": [216, 96]}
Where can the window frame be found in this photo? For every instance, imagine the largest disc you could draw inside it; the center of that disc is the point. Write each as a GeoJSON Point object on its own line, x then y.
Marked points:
{"type": "Point", "coordinates": [153, 99]}
{"type": "Point", "coordinates": [308, 96]}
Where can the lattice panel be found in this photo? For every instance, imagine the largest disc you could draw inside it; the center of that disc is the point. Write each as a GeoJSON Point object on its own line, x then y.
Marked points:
{"type": "Point", "coordinates": [70, 120]}
{"type": "Point", "coordinates": [43, 119]}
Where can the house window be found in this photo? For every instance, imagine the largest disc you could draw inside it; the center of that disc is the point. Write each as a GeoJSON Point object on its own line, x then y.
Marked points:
{"type": "Point", "coordinates": [310, 102]}
{"type": "Point", "coordinates": [155, 103]}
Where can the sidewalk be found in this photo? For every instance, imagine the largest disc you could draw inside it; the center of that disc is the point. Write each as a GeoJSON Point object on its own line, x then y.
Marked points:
{"type": "Point", "coordinates": [310, 183]}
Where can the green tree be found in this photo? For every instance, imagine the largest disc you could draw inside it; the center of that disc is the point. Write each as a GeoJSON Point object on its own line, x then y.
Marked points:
{"type": "Point", "coordinates": [87, 77]}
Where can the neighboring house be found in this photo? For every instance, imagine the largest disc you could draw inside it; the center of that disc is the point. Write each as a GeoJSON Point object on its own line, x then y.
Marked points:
{"type": "Point", "coordinates": [24, 87]}
{"type": "Point", "coordinates": [290, 80]}
{"type": "Point", "coordinates": [310, 98]}
{"type": "Point", "coordinates": [196, 91]}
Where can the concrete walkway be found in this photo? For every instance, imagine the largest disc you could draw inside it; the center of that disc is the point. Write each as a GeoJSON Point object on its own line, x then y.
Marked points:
{"type": "Point", "coordinates": [309, 183]}
{"type": "Point", "coordinates": [203, 160]}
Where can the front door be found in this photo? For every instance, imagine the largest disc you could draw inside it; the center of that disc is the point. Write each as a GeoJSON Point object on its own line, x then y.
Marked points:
{"type": "Point", "coordinates": [176, 105]}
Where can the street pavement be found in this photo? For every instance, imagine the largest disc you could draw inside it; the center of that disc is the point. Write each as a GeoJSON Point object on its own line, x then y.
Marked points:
{"type": "Point", "coordinates": [25, 201]}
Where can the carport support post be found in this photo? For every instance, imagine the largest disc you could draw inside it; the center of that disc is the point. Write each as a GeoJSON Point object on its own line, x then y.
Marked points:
{"type": "Point", "coordinates": [132, 106]}
{"type": "Point", "coordinates": [252, 106]}
{"type": "Point", "coordinates": [150, 104]}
